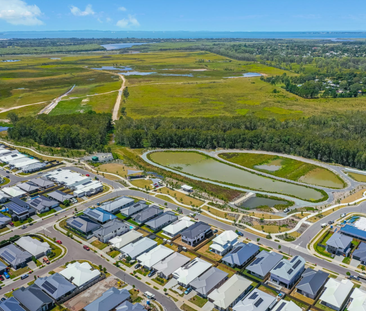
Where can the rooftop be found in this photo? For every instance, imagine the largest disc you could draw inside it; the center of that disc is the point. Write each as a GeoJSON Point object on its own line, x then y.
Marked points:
{"type": "Point", "coordinates": [154, 256]}
{"type": "Point", "coordinates": [241, 253]}
{"type": "Point", "coordinates": [192, 270]}
{"type": "Point", "coordinates": [358, 300]}
{"type": "Point", "coordinates": [284, 305]}
{"type": "Point", "coordinates": [116, 204]}
{"type": "Point", "coordinates": [147, 214]}
{"type": "Point", "coordinates": [312, 281]}
{"type": "Point", "coordinates": [264, 262]}
{"type": "Point", "coordinates": [127, 238]}
{"type": "Point", "coordinates": [161, 220]}
{"type": "Point", "coordinates": [32, 297]}
{"type": "Point", "coordinates": [342, 239]}
{"type": "Point", "coordinates": [33, 246]}
{"type": "Point", "coordinates": [286, 269]}
{"type": "Point", "coordinates": [135, 249]}
{"type": "Point", "coordinates": [41, 202]}
{"type": "Point", "coordinates": [41, 182]}
{"type": "Point", "coordinates": [10, 304]}
{"type": "Point", "coordinates": [168, 265]}
{"type": "Point", "coordinates": [133, 209]}
{"type": "Point", "coordinates": [336, 292]}
{"type": "Point", "coordinates": [83, 224]}
{"type": "Point", "coordinates": [109, 300]}
{"type": "Point", "coordinates": [360, 252]}
{"type": "Point", "coordinates": [14, 255]}
{"type": "Point", "coordinates": [128, 306]}
{"type": "Point", "coordinates": [55, 285]}
{"type": "Point", "coordinates": [193, 231]}
{"type": "Point", "coordinates": [255, 301]}
{"type": "Point", "coordinates": [177, 227]}
{"type": "Point", "coordinates": [99, 214]}
{"type": "Point", "coordinates": [79, 273]}
{"type": "Point", "coordinates": [59, 195]}
{"type": "Point", "coordinates": [111, 226]}
{"type": "Point", "coordinates": [208, 280]}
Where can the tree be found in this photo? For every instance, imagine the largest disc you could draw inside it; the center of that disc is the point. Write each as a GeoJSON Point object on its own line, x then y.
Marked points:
{"type": "Point", "coordinates": [13, 117]}
{"type": "Point", "coordinates": [258, 239]}
{"type": "Point", "coordinates": [123, 111]}
{"type": "Point", "coordinates": [29, 220]}
{"type": "Point", "coordinates": [279, 247]}
{"type": "Point", "coordinates": [126, 93]}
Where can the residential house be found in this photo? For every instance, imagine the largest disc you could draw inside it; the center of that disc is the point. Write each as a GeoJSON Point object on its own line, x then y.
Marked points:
{"type": "Point", "coordinates": [152, 257]}
{"type": "Point", "coordinates": [312, 282]}
{"type": "Point", "coordinates": [284, 305]}
{"type": "Point", "coordinates": [110, 230]}
{"type": "Point", "coordinates": [161, 221]}
{"type": "Point", "coordinates": [33, 298]}
{"type": "Point", "coordinates": [354, 231]}
{"type": "Point", "coordinates": [83, 226]}
{"type": "Point", "coordinates": [4, 220]}
{"type": "Point", "coordinates": [339, 244]}
{"type": "Point", "coordinates": [228, 294]}
{"type": "Point", "coordinates": [116, 205]}
{"type": "Point", "coordinates": [42, 204]}
{"type": "Point", "coordinates": [60, 196]}
{"type": "Point", "coordinates": [42, 183]}
{"type": "Point", "coordinates": [128, 306]}
{"type": "Point", "coordinates": [99, 215]}
{"type": "Point", "coordinates": [257, 300]}
{"type": "Point", "coordinates": [28, 187]}
{"type": "Point", "coordinates": [360, 253]}
{"type": "Point", "coordinates": [110, 299]}
{"type": "Point", "coordinates": [148, 213]}
{"type": "Point", "coordinates": [2, 267]}
{"type": "Point", "coordinates": [263, 263]}
{"type": "Point", "coordinates": [287, 272]}
{"type": "Point", "coordinates": [15, 256]}
{"type": "Point", "coordinates": [195, 234]}
{"type": "Point", "coordinates": [18, 209]}
{"type": "Point", "coordinates": [208, 281]}
{"type": "Point", "coordinates": [240, 255]}
{"type": "Point", "coordinates": [134, 208]}
{"type": "Point", "coordinates": [13, 157]}
{"type": "Point", "coordinates": [67, 178]}
{"type": "Point", "coordinates": [167, 266]}
{"type": "Point", "coordinates": [224, 242]}
{"type": "Point", "coordinates": [357, 300]}
{"type": "Point", "coordinates": [87, 189]}
{"type": "Point", "coordinates": [186, 274]}
{"type": "Point", "coordinates": [336, 294]}
{"type": "Point", "coordinates": [11, 304]}
{"type": "Point", "coordinates": [55, 286]}
{"type": "Point", "coordinates": [14, 192]}
{"type": "Point", "coordinates": [4, 197]}
{"type": "Point", "coordinates": [33, 246]}
{"type": "Point", "coordinates": [120, 241]}
{"type": "Point", "coordinates": [32, 166]}
{"type": "Point", "coordinates": [176, 228]}
{"type": "Point", "coordinates": [133, 250]}
{"type": "Point", "coordinates": [80, 274]}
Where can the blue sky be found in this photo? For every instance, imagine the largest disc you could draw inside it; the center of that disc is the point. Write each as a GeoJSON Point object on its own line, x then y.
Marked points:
{"type": "Point", "coordinates": [188, 15]}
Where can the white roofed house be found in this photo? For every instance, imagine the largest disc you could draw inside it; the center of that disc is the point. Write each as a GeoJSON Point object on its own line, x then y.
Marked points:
{"type": "Point", "coordinates": [152, 257]}
{"type": "Point", "coordinates": [88, 189]}
{"type": "Point", "coordinates": [111, 229]}
{"type": "Point", "coordinates": [357, 300]}
{"type": "Point", "coordinates": [28, 187]}
{"type": "Point", "coordinates": [167, 266]}
{"type": "Point", "coordinates": [176, 228]}
{"type": "Point", "coordinates": [186, 274]}
{"type": "Point", "coordinates": [3, 197]}
{"type": "Point", "coordinates": [116, 205]}
{"type": "Point", "coordinates": [14, 192]}
{"type": "Point", "coordinates": [34, 246]}
{"type": "Point", "coordinates": [80, 274]}
{"type": "Point", "coordinates": [336, 294]}
{"type": "Point", "coordinates": [120, 241]}
{"type": "Point", "coordinates": [135, 249]}
{"type": "Point", "coordinates": [33, 167]}
{"type": "Point", "coordinates": [224, 242]}
{"type": "Point", "coordinates": [257, 300]}
{"type": "Point", "coordinates": [287, 272]}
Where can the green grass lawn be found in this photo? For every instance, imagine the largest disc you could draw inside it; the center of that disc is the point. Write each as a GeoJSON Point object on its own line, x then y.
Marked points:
{"type": "Point", "coordinates": [186, 307]}
{"type": "Point", "coordinates": [99, 245]}
{"type": "Point", "coordinates": [198, 301]}
{"type": "Point", "coordinates": [113, 254]}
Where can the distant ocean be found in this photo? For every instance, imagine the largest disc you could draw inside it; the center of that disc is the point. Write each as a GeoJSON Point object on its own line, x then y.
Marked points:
{"type": "Point", "coordinates": [182, 34]}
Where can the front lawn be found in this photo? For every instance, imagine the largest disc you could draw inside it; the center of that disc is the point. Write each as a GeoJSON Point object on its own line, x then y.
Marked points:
{"type": "Point", "coordinates": [113, 254]}
{"type": "Point", "coordinates": [99, 245]}
{"type": "Point", "coordinates": [198, 301]}
{"type": "Point", "coordinates": [185, 307]}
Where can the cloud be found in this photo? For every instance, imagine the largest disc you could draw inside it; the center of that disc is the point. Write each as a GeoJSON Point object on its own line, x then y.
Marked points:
{"type": "Point", "coordinates": [131, 21]}
{"type": "Point", "coordinates": [77, 12]}
{"type": "Point", "coordinates": [108, 20]}
{"type": "Point", "coordinates": [123, 9]}
{"type": "Point", "coordinates": [18, 12]}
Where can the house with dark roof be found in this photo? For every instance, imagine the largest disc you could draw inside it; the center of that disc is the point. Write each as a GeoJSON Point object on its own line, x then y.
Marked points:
{"type": "Point", "coordinates": [42, 183]}
{"type": "Point", "coordinates": [208, 281]}
{"type": "Point", "coordinates": [55, 286]}
{"type": "Point", "coordinates": [167, 266]}
{"type": "Point", "coordinates": [15, 256]}
{"type": "Point", "coordinates": [241, 254]}
{"type": "Point", "coordinates": [257, 300]}
{"type": "Point", "coordinates": [18, 209]}
{"type": "Point", "coordinates": [60, 196]}
{"type": "Point", "coordinates": [33, 298]}
{"type": "Point", "coordinates": [128, 306]}
{"type": "Point", "coordinates": [134, 208]}
{"type": "Point", "coordinates": [263, 264]}
{"type": "Point", "coordinates": [99, 215]}
{"type": "Point", "coordinates": [148, 213]}
{"type": "Point", "coordinates": [360, 253]}
{"type": "Point", "coordinates": [116, 205]}
{"type": "Point", "coordinates": [42, 204]}
{"type": "Point", "coordinates": [83, 226]}
{"type": "Point", "coordinates": [354, 232]}
{"type": "Point", "coordinates": [28, 187]}
{"type": "Point", "coordinates": [110, 299]}
{"type": "Point", "coordinates": [110, 230]}
{"type": "Point", "coordinates": [2, 267]}
{"type": "Point", "coordinates": [287, 272]}
{"type": "Point", "coordinates": [4, 220]}
{"type": "Point", "coordinates": [196, 233]}
{"type": "Point", "coordinates": [11, 304]}
{"type": "Point", "coordinates": [339, 244]}
{"type": "Point", "coordinates": [312, 283]}
{"type": "Point", "coordinates": [161, 221]}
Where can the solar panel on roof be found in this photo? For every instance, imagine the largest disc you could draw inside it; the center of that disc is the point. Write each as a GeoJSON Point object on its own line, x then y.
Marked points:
{"type": "Point", "coordinates": [281, 306]}
{"type": "Point", "coordinates": [16, 208]}
{"type": "Point", "coordinates": [253, 296]}
{"type": "Point", "coordinates": [93, 214]}
{"type": "Point", "coordinates": [235, 250]}
{"type": "Point", "coordinates": [293, 259]}
{"type": "Point", "coordinates": [77, 223]}
{"type": "Point", "coordinates": [8, 257]}
{"type": "Point", "coordinates": [49, 287]}
{"type": "Point", "coordinates": [279, 266]}
{"type": "Point", "coordinates": [290, 271]}
{"type": "Point", "coordinates": [296, 264]}
{"type": "Point", "coordinates": [258, 260]}
{"type": "Point", "coordinates": [258, 302]}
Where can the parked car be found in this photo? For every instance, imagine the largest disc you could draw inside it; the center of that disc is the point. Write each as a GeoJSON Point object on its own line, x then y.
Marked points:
{"type": "Point", "coordinates": [330, 222]}
{"type": "Point", "coordinates": [151, 273]}
{"type": "Point", "coordinates": [343, 215]}
{"type": "Point", "coordinates": [286, 210]}
{"type": "Point", "coordinates": [6, 274]}
{"type": "Point", "coordinates": [87, 175]}
{"type": "Point", "coordinates": [11, 224]}
{"type": "Point", "coordinates": [215, 231]}
{"type": "Point", "coordinates": [188, 290]}
{"type": "Point", "coordinates": [323, 225]}
{"type": "Point", "coordinates": [86, 247]}
{"type": "Point", "coordinates": [8, 172]}
{"type": "Point", "coordinates": [239, 233]}
{"type": "Point", "coordinates": [24, 227]}
{"type": "Point", "coordinates": [45, 260]}
{"type": "Point", "coordinates": [24, 276]}
{"type": "Point", "coordinates": [137, 266]}
{"type": "Point", "coordinates": [1, 278]}
{"type": "Point", "coordinates": [7, 176]}
{"type": "Point", "coordinates": [3, 299]}
{"type": "Point", "coordinates": [59, 242]}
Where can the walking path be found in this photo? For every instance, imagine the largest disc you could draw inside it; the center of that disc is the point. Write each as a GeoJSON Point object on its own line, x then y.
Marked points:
{"type": "Point", "coordinates": [54, 103]}
{"type": "Point", "coordinates": [117, 106]}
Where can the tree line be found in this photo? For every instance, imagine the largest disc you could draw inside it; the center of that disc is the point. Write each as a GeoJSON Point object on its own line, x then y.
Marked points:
{"type": "Point", "coordinates": [337, 138]}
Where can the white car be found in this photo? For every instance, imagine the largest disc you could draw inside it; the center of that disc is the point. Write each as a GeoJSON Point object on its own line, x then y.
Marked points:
{"type": "Point", "coordinates": [324, 225]}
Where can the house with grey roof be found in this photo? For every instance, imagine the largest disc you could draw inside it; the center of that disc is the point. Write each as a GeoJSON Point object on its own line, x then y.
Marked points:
{"type": "Point", "coordinates": [135, 249]}
{"type": "Point", "coordinates": [4, 220]}
{"type": "Point", "coordinates": [42, 204]}
{"type": "Point", "coordinates": [263, 263]}
{"type": "Point", "coordinates": [42, 183]}
{"type": "Point", "coordinates": [257, 300]}
{"type": "Point", "coordinates": [208, 281]}
{"type": "Point", "coordinates": [110, 299]}
{"type": "Point", "coordinates": [161, 221]}
{"type": "Point", "coordinates": [11, 304]}
{"type": "Point", "coordinates": [146, 214]}
{"type": "Point", "coordinates": [287, 272]}
{"type": "Point", "coordinates": [55, 286]}
{"type": "Point", "coordinates": [111, 229]}
{"type": "Point", "coordinates": [60, 196]}
{"type": "Point", "coordinates": [28, 187]}
{"type": "Point", "coordinates": [18, 209]}
{"type": "Point", "coordinates": [360, 253]}
{"type": "Point", "coordinates": [116, 205]}
{"type": "Point", "coordinates": [15, 256]}
{"type": "Point", "coordinates": [168, 265]}
{"type": "Point", "coordinates": [241, 254]}
{"type": "Point", "coordinates": [2, 267]}
{"type": "Point", "coordinates": [128, 306]}
{"type": "Point", "coordinates": [134, 208]}
{"type": "Point", "coordinates": [33, 298]}
{"type": "Point", "coordinates": [83, 226]}
{"type": "Point", "coordinates": [312, 282]}
{"type": "Point", "coordinates": [339, 244]}
{"type": "Point", "coordinates": [35, 247]}
{"type": "Point", "coordinates": [196, 233]}
{"type": "Point", "coordinates": [99, 215]}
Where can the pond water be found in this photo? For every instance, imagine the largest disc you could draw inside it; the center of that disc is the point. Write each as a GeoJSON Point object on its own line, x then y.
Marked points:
{"type": "Point", "coordinates": [177, 74]}
{"type": "Point", "coordinates": [272, 166]}
{"type": "Point", "coordinates": [205, 167]}
{"type": "Point", "coordinates": [124, 68]}
{"type": "Point", "coordinates": [3, 128]}
{"type": "Point", "coordinates": [128, 71]}
{"type": "Point", "coordinates": [118, 46]}
{"type": "Point", "coordinates": [255, 202]}
{"type": "Point", "coordinates": [11, 60]}
{"type": "Point", "coordinates": [248, 75]}
{"type": "Point", "coordinates": [322, 177]}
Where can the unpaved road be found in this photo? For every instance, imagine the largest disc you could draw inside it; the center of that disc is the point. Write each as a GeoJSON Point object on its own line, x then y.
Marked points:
{"type": "Point", "coordinates": [117, 105]}
{"type": "Point", "coordinates": [53, 104]}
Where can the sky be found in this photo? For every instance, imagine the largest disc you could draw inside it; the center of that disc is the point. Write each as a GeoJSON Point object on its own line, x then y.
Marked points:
{"type": "Point", "coordinates": [183, 15]}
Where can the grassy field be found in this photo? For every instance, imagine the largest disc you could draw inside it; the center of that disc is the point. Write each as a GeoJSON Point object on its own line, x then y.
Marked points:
{"type": "Point", "coordinates": [357, 177]}
{"type": "Point", "coordinates": [288, 168]}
